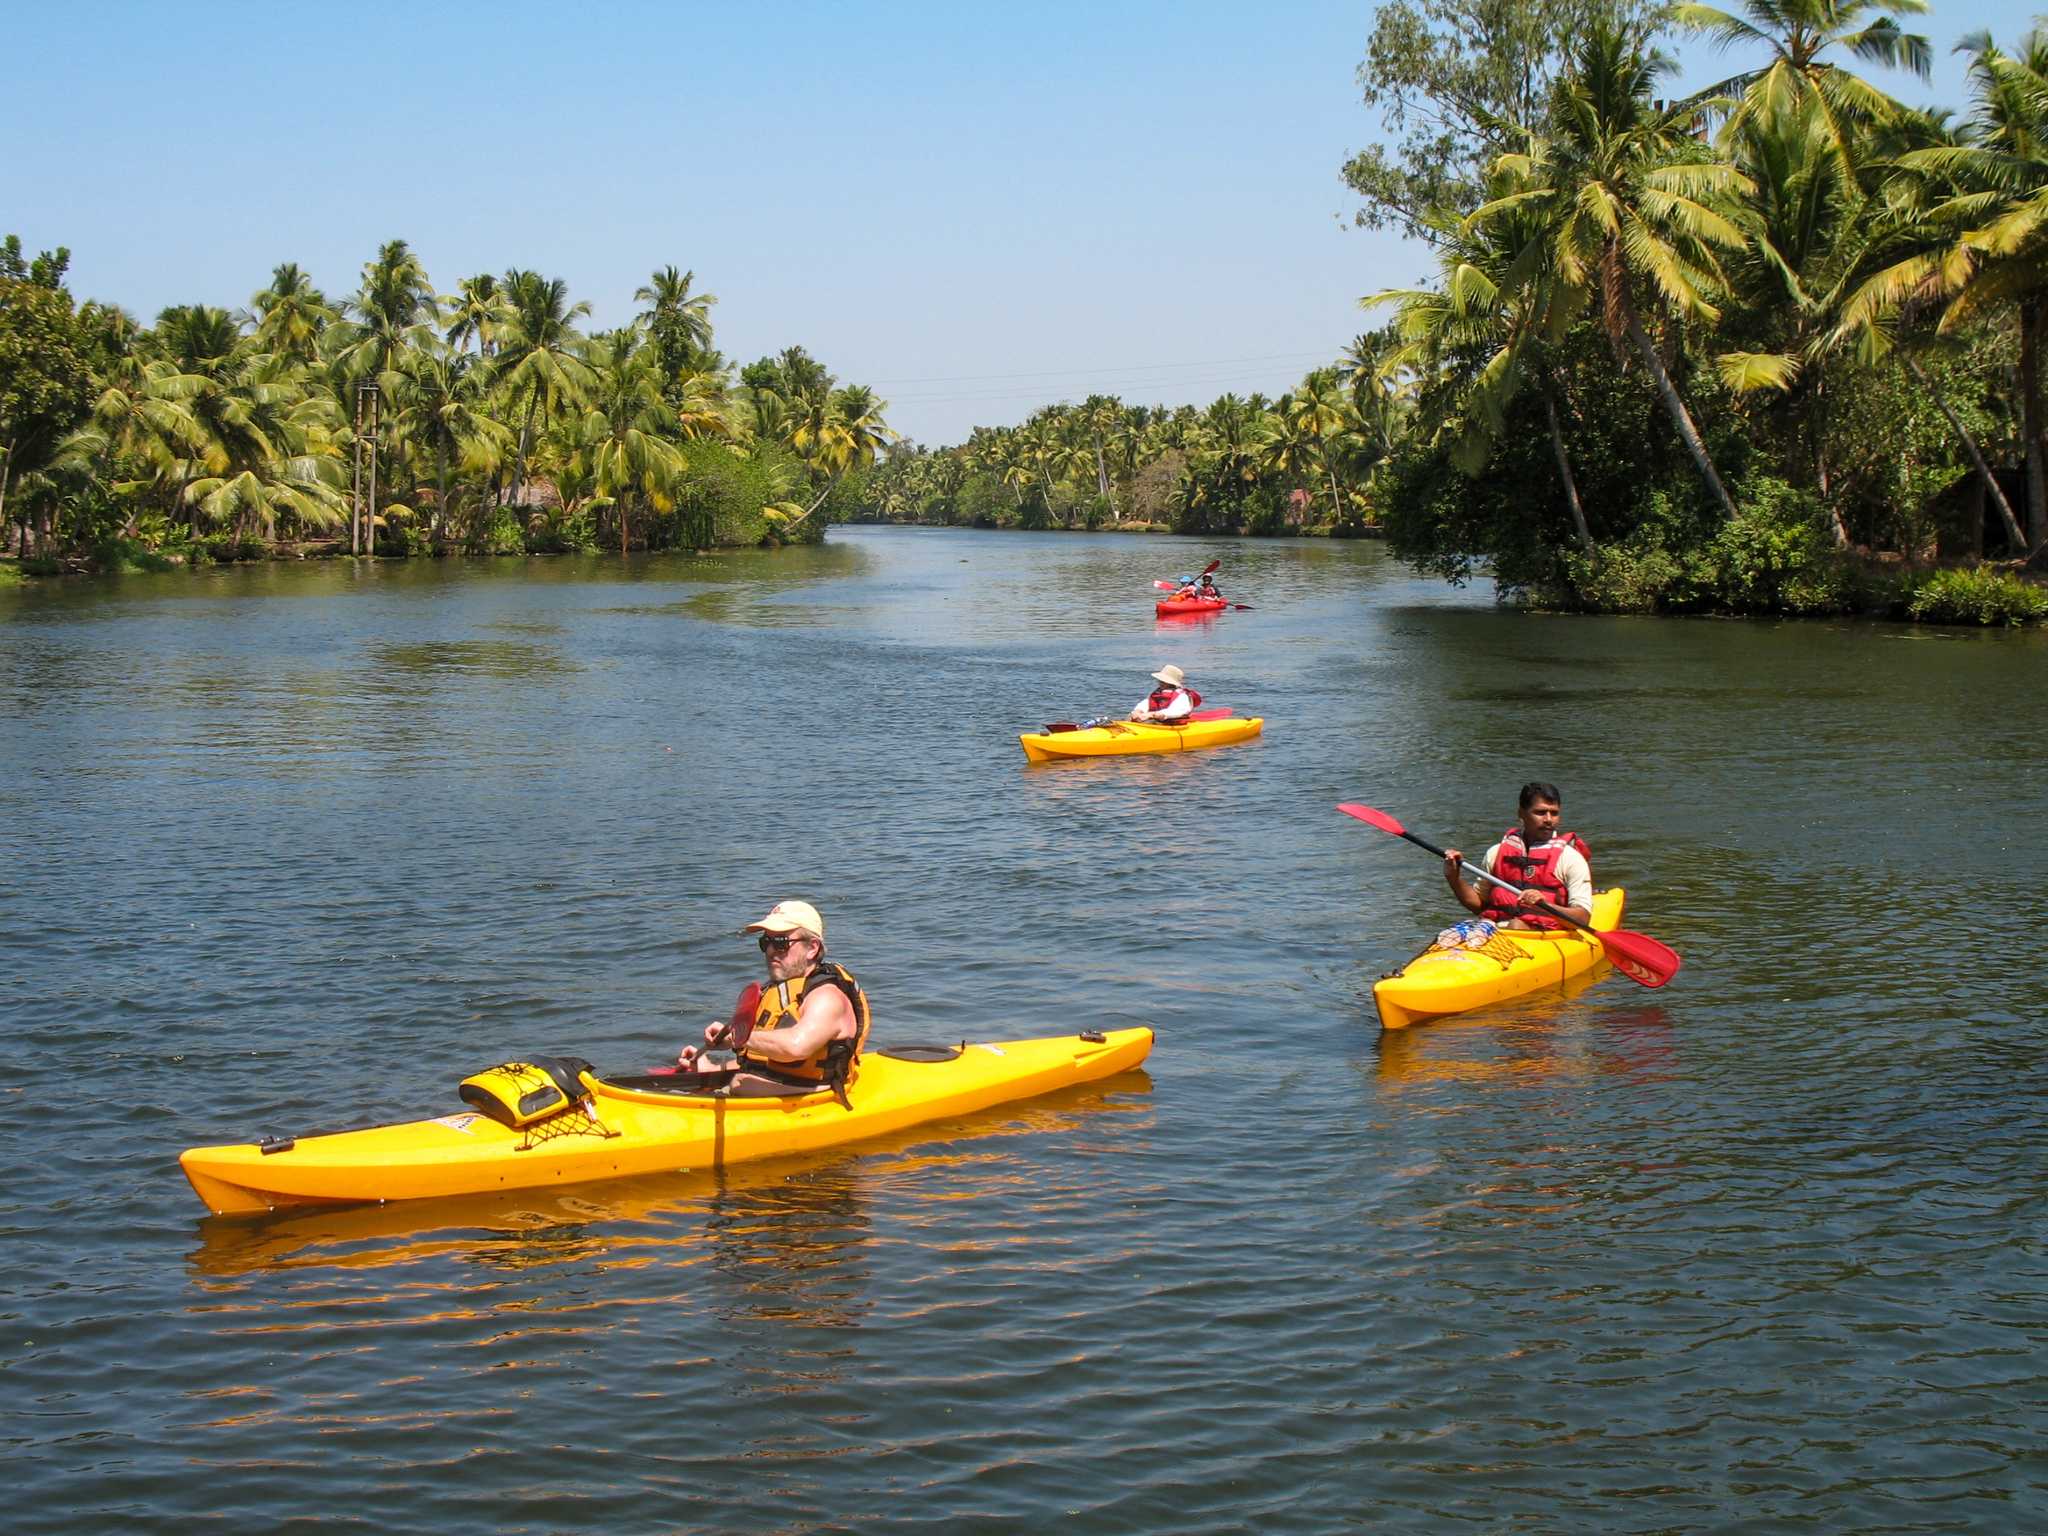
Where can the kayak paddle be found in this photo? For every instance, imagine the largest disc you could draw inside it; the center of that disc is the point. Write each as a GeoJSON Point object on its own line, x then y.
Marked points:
{"type": "Point", "coordinates": [1082, 725]}
{"type": "Point", "coordinates": [1637, 956]}
{"type": "Point", "coordinates": [734, 1032]}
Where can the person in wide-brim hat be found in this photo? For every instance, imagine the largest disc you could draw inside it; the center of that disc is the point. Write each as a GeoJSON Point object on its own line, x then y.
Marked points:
{"type": "Point", "coordinates": [1171, 700]}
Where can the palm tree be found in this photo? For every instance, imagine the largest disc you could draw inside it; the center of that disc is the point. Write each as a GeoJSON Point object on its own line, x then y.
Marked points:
{"type": "Point", "coordinates": [862, 433]}
{"type": "Point", "coordinates": [1321, 411]}
{"type": "Point", "coordinates": [1980, 245]}
{"type": "Point", "coordinates": [1287, 443]}
{"type": "Point", "coordinates": [440, 407]}
{"type": "Point", "coordinates": [1625, 199]}
{"type": "Point", "coordinates": [290, 316]}
{"type": "Point", "coordinates": [677, 320]}
{"type": "Point", "coordinates": [1810, 227]}
{"type": "Point", "coordinates": [477, 311]}
{"type": "Point", "coordinates": [620, 437]}
{"type": "Point", "coordinates": [200, 339]}
{"type": "Point", "coordinates": [539, 356]}
{"type": "Point", "coordinates": [264, 444]}
{"type": "Point", "coordinates": [1231, 429]}
{"type": "Point", "coordinates": [701, 407]}
{"type": "Point", "coordinates": [394, 312]}
{"type": "Point", "coordinates": [1104, 416]}
{"type": "Point", "coordinates": [1797, 33]}
{"type": "Point", "coordinates": [1038, 448]}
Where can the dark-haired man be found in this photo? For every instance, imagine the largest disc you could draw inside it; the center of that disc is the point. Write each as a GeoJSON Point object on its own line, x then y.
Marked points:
{"type": "Point", "coordinates": [1549, 865]}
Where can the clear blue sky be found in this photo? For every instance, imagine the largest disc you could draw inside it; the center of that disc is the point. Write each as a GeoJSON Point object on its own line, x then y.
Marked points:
{"type": "Point", "coordinates": [975, 209]}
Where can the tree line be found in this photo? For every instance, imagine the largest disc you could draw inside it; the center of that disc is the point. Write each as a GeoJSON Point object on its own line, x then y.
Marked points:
{"type": "Point", "coordinates": [499, 423]}
{"type": "Point", "coordinates": [1773, 346]}
{"type": "Point", "coordinates": [1243, 463]}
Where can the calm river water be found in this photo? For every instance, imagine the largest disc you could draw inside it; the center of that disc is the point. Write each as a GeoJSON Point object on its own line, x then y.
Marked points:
{"type": "Point", "coordinates": [291, 848]}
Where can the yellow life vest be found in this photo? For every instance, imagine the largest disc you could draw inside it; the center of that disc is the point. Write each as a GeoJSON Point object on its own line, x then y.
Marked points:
{"type": "Point", "coordinates": [833, 1064]}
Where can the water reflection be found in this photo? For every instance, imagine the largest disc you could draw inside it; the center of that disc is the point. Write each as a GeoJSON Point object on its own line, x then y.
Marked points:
{"type": "Point", "coordinates": [437, 659]}
{"type": "Point", "coordinates": [1531, 1039]}
{"type": "Point", "coordinates": [790, 1253]}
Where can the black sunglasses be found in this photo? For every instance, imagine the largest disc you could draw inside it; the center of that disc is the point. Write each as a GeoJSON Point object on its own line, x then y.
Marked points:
{"type": "Point", "coordinates": [778, 943]}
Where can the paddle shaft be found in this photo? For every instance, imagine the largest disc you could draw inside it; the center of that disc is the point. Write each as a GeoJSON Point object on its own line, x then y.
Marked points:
{"type": "Point", "coordinates": [1470, 868]}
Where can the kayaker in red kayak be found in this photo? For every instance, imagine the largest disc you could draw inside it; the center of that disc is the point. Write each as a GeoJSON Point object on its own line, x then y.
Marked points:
{"type": "Point", "coordinates": [1170, 701]}
{"type": "Point", "coordinates": [1206, 589]}
{"type": "Point", "coordinates": [1548, 864]}
{"type": "Point", "coordinates": [805, 1027]}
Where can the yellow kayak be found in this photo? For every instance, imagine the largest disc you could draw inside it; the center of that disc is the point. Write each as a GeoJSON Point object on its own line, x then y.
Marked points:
{"type": "Point", "coordinates": [1514, 962]}
{"type": "Point", "coordinates": [641, 1124]}
{"type": "Point", "coordinates": [1125, 736]}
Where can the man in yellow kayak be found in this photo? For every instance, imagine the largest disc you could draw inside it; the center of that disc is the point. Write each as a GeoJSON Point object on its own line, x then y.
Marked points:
{"type": "Point", "coordinates": [805, 1029]}
{"type": "Point", "coordinates": [1172, 700]}
{"type": "Point", "coordinates": [1547, 864]}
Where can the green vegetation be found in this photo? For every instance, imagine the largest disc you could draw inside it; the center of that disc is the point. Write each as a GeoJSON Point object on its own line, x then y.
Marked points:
{"type": "Point", "coordinates": [1975, 596]}
{"type": "Point", "coordinates": [499, 427]}
{"type": "Point", "coordinates": [1771, 340]}
{"type": "Point", "coordinates": [1757, 351]}
{"type": "Point", "coordinates": [1306, 462]}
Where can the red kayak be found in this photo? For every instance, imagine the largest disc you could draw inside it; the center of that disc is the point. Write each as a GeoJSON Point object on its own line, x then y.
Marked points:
{"type": "Point", "coordinates": [1175, 607]}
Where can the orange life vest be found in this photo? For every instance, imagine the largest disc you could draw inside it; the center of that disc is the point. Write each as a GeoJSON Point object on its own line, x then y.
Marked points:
{"type": "Point", "coordinates": [833, 1064]}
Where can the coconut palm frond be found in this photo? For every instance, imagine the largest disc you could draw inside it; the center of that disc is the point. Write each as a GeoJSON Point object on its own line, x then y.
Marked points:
{"type": "Point", "coordinates": [1747, 372]}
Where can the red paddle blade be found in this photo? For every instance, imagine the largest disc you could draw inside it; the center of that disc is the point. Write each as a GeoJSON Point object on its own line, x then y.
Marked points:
{"type": "Point", "coordinates": [1210, 568]}
{"type": "Point", "coordinates": [1210, 714]}
{"type": "Point", "coordinates": [1167, 586]}
{"type": "Point", "coordinates": [1640, 958]}
{"type": "Point", "coordinates": [1373, 818]}
{"type": "Point", "coordinates": [741, 1024]}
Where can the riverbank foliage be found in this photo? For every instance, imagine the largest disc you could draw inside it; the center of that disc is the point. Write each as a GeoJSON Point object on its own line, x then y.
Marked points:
{"type": "Point", "coordinates": [1306, 461]}
{"type": "Point", "coordinates": [1763, 350]}
{"type": "Point", "coordinates": [499, 424]}
{"type": "Point", "coordinates": [1772, 348]}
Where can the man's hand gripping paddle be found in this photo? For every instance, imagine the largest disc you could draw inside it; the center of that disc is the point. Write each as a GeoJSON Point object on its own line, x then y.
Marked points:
{"type": "Point", "coordinates": [1637, 956]}
{"type": "Point", "coordinates": [734, 1032]}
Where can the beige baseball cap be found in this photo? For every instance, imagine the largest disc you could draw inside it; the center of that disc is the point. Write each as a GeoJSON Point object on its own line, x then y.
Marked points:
{"type": "Point", "coordinates": [1173, 677]}
{"type": "Point", "coordinates": [786, 917]}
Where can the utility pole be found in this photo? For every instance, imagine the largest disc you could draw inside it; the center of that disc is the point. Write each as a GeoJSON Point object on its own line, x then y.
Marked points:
{"type": "Point", "coordinates": [362, 526]}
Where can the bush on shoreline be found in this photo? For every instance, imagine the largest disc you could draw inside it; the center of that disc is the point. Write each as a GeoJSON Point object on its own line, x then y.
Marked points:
{"type": "Point", "coordinates": [1974, 595]}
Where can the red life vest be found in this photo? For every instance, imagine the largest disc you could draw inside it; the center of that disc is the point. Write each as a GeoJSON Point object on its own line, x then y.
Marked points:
{"type": "Point", "coordinates": [1161, 697]}
{"type": "Point", "coordinates": [1519, 865]}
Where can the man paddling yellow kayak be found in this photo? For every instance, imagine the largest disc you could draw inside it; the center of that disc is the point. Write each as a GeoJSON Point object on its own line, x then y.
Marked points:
{"type": "Point", "coordinates": [805, 1029]}
{"type": "Point", "coordinates": [1552, 867]}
